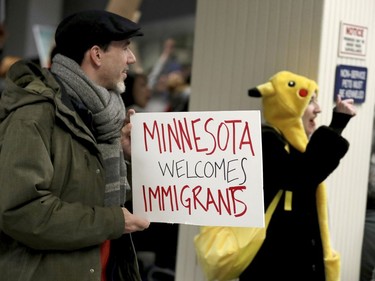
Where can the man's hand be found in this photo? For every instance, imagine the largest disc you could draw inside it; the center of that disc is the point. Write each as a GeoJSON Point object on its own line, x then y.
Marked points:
{"type": "Point", "coordinates": [345, 106]}
{"type": "Point", "coordinates": [134, 223]}
{"type": "Point", "coordinates": [125, 135]}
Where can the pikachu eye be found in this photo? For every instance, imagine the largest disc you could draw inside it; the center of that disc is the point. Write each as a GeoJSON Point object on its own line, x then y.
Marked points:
{"type": "Point", "coordinates": [291, 83]}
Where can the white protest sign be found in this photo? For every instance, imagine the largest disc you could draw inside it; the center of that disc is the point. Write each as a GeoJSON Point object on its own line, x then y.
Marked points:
{"type": "Point", "coordinates": [200, 168]}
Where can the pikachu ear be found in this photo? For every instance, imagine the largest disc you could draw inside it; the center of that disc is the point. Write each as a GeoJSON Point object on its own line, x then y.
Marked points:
{"type": "Point", "coordinates": [254, 92]}
{"type": "Point", "coordinates": [265, 89]}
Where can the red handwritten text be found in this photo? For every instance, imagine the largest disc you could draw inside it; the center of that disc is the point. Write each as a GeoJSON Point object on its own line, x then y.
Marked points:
{"type": "Point", "coordinates": [173, 199]}
{"type": "Point", "coordinates": [196, 135]}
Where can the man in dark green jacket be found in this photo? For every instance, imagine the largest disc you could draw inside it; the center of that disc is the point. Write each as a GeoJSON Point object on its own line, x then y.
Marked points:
{"type": "Point", "coordinates": [64, 138]}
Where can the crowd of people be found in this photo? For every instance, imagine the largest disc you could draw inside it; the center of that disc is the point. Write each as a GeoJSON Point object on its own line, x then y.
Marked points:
{"type": "Point", "coordinates": [65, 155]}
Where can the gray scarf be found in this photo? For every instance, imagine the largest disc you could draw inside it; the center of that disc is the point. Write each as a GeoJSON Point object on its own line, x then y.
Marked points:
{"type": "Point", "coordinates": [108, 113]}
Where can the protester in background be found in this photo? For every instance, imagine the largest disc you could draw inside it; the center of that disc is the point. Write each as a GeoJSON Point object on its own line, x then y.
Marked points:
{"type": "Point", "coordinates": [179, 92]}
{"type": "Point", "coordinates": [136, 96]}
{"type": "Point", "coordinates": [158, 77]}
{"type": "Point", "coordinates": [64, 137]}
{"type": "Point", "coordinates": [137, 92]}
{"type": "Point", "coordinates": [160, 67]}
{"type": "Point", "coordinates": [297, 158]}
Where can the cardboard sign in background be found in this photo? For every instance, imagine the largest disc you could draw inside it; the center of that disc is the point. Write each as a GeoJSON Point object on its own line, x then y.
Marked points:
{"type": "Point", "coordinates": [200, 168]}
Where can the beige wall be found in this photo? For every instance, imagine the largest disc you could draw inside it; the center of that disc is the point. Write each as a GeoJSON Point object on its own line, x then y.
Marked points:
{"type": "Point", "coordinates": [240, 44]}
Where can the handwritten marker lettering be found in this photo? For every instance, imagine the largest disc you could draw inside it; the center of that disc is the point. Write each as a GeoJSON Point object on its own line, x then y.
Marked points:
{"type": "Point", "coordinates": [199, 168]}
{"type": "Point", "coordinates": [169, 198]}
{"type": "Point", "coordinates": [184, 136]}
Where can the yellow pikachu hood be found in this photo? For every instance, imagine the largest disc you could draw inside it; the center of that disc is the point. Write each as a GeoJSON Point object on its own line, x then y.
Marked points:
{"type": "Point", "coordinates": [285, 97]}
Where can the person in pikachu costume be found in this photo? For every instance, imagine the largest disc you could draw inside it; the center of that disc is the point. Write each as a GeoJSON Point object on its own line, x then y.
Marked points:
{"type": "Point", "coordinates": [297, 158]}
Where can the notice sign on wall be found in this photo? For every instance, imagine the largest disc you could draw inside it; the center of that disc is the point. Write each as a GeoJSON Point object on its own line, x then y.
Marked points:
{"type": "Point", "coordinates": [200, 168]}
{"type": "Point", "coordinates": [350, 82]}
{"type": "Point", "coordinates": [353, 41]}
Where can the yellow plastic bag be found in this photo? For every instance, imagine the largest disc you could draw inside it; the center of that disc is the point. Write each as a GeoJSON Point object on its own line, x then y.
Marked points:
{"type": "Point", "coordinates": [225, 252]}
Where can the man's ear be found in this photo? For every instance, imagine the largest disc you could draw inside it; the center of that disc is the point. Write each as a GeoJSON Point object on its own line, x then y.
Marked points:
{"type": "Point", "coordinates": [95, 55]}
